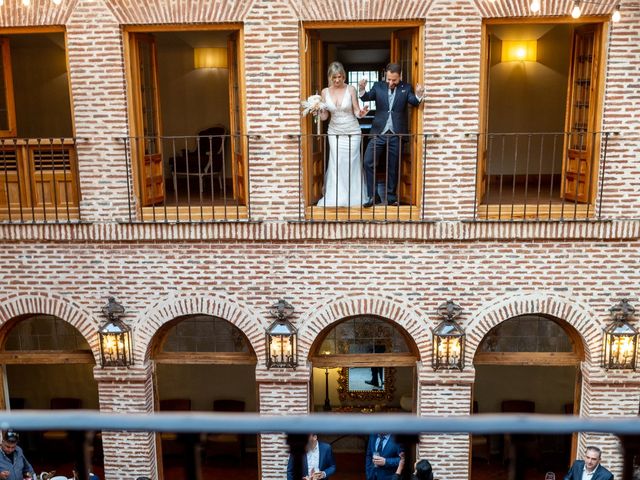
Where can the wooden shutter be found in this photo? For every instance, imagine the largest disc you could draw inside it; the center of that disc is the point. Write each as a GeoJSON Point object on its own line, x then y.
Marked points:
{"type": "Point", "coordinates": [7, 103]}
{"type": "Point", "coordinates": [53, 173]}
{"type": "Point", "coordinates": [313, 147]}
{"type": "Point", "coordinates": [238, 138]}
{"type": "Point", "coordinates": [580, 143]}
{"type": "Point", "coordinates": [147, 145]}
{"type": "Point", "coordinates": [405, 51]}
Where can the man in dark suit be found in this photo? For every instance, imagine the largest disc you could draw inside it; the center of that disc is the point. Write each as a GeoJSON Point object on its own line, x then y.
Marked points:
{"type": "Point", "coordinates": [589, 468]}
{"type": "Point", "coordinates": [392, 97]}
{"type": "Point", "coordinates": [318, 462]}
{"type": "Point", "coordinates": [383, 456]}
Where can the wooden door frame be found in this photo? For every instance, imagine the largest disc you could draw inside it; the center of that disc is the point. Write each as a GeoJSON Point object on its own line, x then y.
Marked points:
{"type": "Point", "coordinates": [483, 110]}
{"type": "Point", "coordinates": [329, 25]}
{"type": "Point", "coordinates": [131, 79]}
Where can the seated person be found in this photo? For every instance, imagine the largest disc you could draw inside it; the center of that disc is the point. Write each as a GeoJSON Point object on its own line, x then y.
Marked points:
{"type": "Point", "coordinates": [318, 462]}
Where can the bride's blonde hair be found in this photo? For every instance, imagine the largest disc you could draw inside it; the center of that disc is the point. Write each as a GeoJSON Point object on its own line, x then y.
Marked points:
{"type": "Point", "coordinates": [336, 68]}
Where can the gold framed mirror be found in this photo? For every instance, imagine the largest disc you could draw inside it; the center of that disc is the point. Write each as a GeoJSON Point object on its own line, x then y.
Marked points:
{"type": "Point", "coordinates": [366, 383]}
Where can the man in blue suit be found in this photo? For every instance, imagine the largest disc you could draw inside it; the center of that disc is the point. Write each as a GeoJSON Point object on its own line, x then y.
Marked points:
{"type": "Point", "coordinates": [318, 462]}
{"type": "Point", "coordinates": [392, 97]}
{"type": "Point", "coordinates": [589, 468]}
{"type": "Point", "coordinates": [383, 456]}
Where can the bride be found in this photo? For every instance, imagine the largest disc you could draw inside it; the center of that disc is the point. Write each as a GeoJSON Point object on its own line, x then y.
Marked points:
{"type": "Point", "coordinates": [344, 183]}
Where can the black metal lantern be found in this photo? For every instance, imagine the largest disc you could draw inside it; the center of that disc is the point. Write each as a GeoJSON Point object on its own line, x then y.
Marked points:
{"type": "Point", "coordinates": [620, 339]}
{"type": "Point", "coordinates": [282, 338]}
{"type": "Point", "coordinates": [115, 337]}
{"type": "Point", "coordinates": [448, 339]}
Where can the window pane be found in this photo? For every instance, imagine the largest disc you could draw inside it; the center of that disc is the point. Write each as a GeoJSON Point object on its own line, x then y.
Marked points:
{"type": "Point", "coordinates": [45, 332]}
{"type": "Point", "coordinates": [364, 334]}
{"type": "Point", "coordinates": [204, 333]}
{"type": "Point", "coordinates": [527, 333]}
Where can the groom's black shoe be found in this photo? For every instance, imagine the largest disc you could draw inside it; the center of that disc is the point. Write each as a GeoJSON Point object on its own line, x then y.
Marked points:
{"type": "Point", "coordinates": [370, 203]}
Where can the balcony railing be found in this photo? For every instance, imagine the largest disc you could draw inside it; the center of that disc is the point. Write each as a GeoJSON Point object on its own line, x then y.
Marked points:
{"type": "Point", "coordinates": [540, 176]}
{"type": "Point", "coordinates": [372, 177]}
{"type": "Point", "coordinates": [406, 427]}
{"type": "Point", "coordinates": [39, 180]}
{"type": "Point", "coordinates": [187, 179]}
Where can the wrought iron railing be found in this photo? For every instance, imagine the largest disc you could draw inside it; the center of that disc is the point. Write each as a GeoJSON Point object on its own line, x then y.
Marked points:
{"type": "Point", "coordinates": [540, 176]}
{"type": "Point", "coordinates": [39, 180]}
{"type": "Point", "coordinates": [405, 426]}
{"type": "Point", "coordinates": [361, 177]}
{"type": "Point", "coordinates": [200, 178]}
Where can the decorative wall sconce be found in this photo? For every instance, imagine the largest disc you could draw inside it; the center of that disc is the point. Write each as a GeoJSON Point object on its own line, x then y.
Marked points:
{"type": "Point", "coordinates": [282, 338]}
{"type": "Point", "coordinates": [210, 57]}
{"type": "Point", "coordinates": [520, 51]}
{"type": "Point", "coordinates": [448, 339]}
{"type": "Point", "coordinates": [115, 337]}
{"type": "Point", "coordinates": [620, 343]}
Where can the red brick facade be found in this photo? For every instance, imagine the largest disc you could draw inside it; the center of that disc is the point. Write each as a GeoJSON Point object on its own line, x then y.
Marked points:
{"type": "Point", "coordinates": [574, 271]}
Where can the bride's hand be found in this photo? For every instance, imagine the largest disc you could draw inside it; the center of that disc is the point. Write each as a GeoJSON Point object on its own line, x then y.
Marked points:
{"type": "Point", "coordinates": [363, 111]}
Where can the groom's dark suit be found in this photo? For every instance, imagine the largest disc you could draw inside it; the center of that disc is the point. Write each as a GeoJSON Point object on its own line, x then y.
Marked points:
{"type": "Point", "coordinates": [575, 473]}
{"type": "Point", "coordinates": [379, 145]}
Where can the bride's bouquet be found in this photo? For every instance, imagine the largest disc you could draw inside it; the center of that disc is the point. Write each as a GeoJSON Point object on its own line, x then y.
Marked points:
{"type": "Point", "coordinates": [313, 105]}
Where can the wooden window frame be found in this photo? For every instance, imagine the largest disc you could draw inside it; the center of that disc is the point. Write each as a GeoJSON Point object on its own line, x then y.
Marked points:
{"type": "Point", "coordinates": [197, 211]}
{"type": "Point", "coordinates": [402, 213]}
{"type": "Point", "coordinates": [556, 213]}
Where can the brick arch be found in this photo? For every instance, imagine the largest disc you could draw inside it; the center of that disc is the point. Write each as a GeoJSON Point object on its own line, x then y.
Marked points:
{"type": "Point", "coordinates": [399, 312]}
{"type": "Point", "coordinates": [40, 13]}
{"type": "Point", "coordinates": [53, 305]}
{"type": "Point", "coordinates": [340, 10]}
{"type": "Point", "coordinates": [163, 312]}
{"type": "Point", "coordinates": [178, 11]}
{"type": "Point", "coordinates": [568, 310]}
{"type": "Point", "coordinates": [520, 8]}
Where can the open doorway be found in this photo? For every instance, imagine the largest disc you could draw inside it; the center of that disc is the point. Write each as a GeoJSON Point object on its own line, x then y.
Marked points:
{"type": "Point", "coordinates": [38, 167]}
{"type": "Point", "coordinates": [363, 364]}
{"type": "Point", "coordinates": [527, 364]}
{"type": "Point", "coordinates": [364, 51]}
{"type": "Point", "coordinates": [541, 108]}
{"type": "Point", "coordinates": [204, 363]}
{"type": "Point", "coordinates": [48, 365]}
{"type": "Point", "coordinates": [187, 133]}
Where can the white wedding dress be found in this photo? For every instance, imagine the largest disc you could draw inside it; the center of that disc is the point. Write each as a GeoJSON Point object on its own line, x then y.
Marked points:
{"type": "Point", "coordinates": [344, 183]}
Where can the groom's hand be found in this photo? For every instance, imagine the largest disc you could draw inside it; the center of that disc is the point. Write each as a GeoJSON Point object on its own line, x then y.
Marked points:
{"type": "Point", "coordinates": [362, 84]}
{"type": "Point", "coordinates": [419, 90]}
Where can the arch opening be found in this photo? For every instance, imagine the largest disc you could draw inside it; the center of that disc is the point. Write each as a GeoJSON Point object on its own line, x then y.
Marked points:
{"type": "Point", "coordinates": [530, 364]}
{"type": "Point", "coordinates": [47, 364]}
{"type": "Point", "coordinates": [362, 363]}
{"type": "Point", "coordinates": [204, 363]}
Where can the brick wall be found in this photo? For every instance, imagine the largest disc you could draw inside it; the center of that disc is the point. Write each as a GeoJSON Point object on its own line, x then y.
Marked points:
{"type": "Point", "coordinates": [575, 281]}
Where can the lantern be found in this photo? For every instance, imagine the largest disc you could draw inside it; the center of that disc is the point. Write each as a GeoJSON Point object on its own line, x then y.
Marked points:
{"type": "Point", "coordinates": [282, 338]}
{"type": "Point", "coordinates": [448, 339]}
{"type": "Point", "coordinates": [620, 339]}
{"type": "Point", "coordinates": [115, 337]}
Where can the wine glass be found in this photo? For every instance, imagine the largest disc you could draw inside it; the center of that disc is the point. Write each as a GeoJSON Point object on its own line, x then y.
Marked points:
{"type": "Point", "coordinates": [550, 476]}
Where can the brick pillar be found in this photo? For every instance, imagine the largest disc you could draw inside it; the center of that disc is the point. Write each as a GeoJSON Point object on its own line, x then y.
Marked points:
{"type": "Point", "coordinates": [445, 394]}
{"type": "Point", "coordinates": [133, 454]}
{"type": "Point", "coordinates": [290, 397]}
{"type": "Point", "coordinates": [96, 72]}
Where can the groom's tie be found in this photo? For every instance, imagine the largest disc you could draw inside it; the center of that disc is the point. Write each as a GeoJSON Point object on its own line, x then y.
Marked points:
{"type": "Point", "coordinates": [388, 128]}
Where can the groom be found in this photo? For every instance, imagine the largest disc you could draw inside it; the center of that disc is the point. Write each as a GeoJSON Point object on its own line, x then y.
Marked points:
{"type": "Point", "coordinates": [391, 97]}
